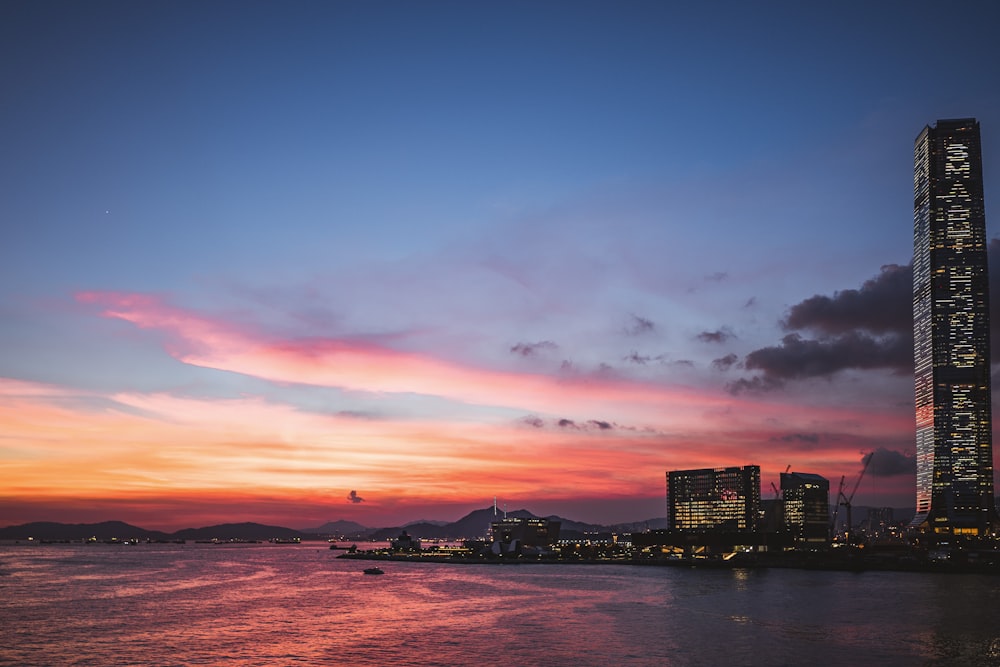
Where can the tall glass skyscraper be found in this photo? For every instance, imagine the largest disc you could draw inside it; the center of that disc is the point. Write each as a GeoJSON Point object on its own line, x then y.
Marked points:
{"type": "Point", "coordinates": [951, 328]}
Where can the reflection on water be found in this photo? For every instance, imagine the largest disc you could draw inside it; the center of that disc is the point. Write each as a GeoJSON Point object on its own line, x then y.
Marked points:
{"type": "Point", "coordinates": [268, 604]}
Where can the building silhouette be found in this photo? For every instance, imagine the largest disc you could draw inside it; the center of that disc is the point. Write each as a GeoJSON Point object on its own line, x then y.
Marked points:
{"type": "Point", "coordinates": [951, 333]}
{"type": "Point", "coordinates": [806, 501]}
{"type": "Point", "coordinates": [511, 533]}
{"type": "Point", "coordinates": [714, 499]}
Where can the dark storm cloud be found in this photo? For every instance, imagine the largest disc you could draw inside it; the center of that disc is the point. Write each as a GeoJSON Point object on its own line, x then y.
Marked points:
{"type": "Point", "coordinates": [883, 305]}
{"type": "Point", "coordinates": [993, 251]}
{"type": "Point", "coordinates": [353, 497]}
{"type": "Point", "coordinates": [889, 463]}
{"type": "Point", "coordinates": [798, 358]}
{"type": "Point", "coordinates": [725, 363]}
{"type": "Point", "coordinates": [639, 325]}
{"type": "Point", "coordinates": [531, 349]}
{"type": "Point", "coordinates": [719, 336]}
{"type": "Point", "coordinates": [866, 328]}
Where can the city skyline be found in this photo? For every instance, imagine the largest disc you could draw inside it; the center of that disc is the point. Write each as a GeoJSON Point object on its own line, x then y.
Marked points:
{"type": "Point", "coordinates": [383, 263]}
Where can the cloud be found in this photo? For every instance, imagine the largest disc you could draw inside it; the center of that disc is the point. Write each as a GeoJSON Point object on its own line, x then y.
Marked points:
{"type": "Point", "coordinates": [353, 497]}
{"type": "Point", "coordinates": [810, 438]}
{"type": "Point", "coordinates": [799, 358]}
{"type": "Point", "coordinates": [889, 463]}
{"type": "Point", "coordinates": [585, 426]}
{"type": "Point", "coordinates": [993, 252]}
{"type": "Point", "coordinates": [635, 358]}
{"type": "Point", "coordinates": [639, 325]}
{"type": "Point", "coordinates": [532, 349]}
{"type": "Point", "coordinates": [725, 363]}
{"type": "Point", "coordinates": [719, 336]}
{"type": "Point", "coordinates": [643, 359]}
{"type": "Point", "coordinates": [883, 305]}
{"type": "Point", "coordinates": [866, 328]}
{"type": "Point", "coordinates": [716, 277]}
{"type": "Point", "coordinates": [532, 420]}
{"type": "Point", "coordinates": [362, 364]}
{"type": "Point", "coordinates": [863, 329]}
{"type": "Point", "coordinates": [754, 385]}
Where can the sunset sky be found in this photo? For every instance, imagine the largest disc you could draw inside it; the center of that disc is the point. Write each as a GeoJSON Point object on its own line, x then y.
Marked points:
{"type": "Point", "coordinates": [385, 261]}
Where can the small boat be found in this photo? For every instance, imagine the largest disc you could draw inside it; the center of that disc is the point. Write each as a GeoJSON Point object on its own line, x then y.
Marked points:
{"type": "Point", "coordinates": [374, 570]}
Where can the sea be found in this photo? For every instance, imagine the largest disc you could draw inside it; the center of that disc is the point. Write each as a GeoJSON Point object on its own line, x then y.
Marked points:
{"type": "Point", "coordinates": [268, 604]}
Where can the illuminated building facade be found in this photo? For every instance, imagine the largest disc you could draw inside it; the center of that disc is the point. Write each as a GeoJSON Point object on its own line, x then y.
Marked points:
{"type": "Point", "coordinates": [528, 532]}
{"type": "Point", "coordinates": [806, 503]}
{"type": "Point", "coordinates": [951, 332]}
{"type": "Point", "coordinates": [714, 499]}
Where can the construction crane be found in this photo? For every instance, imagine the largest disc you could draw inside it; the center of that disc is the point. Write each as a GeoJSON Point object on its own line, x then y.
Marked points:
{"type": "Point", "coordinates": [846, 500]}
{"type": "Point", "coordinates": [836, 509]}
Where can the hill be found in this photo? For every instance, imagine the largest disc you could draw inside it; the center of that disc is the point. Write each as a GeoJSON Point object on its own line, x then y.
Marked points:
{"type": "Point", "coordinates": [241, 531]}
{"type": "Point", "coordinates": [476, 524]}
{"type": "Point", "coordinates": [106, 530]}
{"type": "Point", "coordinates": [340, 528]}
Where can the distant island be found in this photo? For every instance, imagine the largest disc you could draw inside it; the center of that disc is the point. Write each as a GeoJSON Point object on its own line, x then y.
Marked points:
{"type": "Point", "coordinates": [473, 525]}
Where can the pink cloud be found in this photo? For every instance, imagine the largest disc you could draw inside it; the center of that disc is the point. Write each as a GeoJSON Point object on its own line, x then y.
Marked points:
{"type": "Point", "coordinates": [360, 365]}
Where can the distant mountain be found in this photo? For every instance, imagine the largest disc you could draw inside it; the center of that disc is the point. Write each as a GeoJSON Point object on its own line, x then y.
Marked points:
{"type": "Point", "coordinates": [345, 528]}
{"type": "Point", "coordinates": [106, 530]}
{"type": "Point", "coordinates": [240, 531]}
{"type": "Point", "coordinates": [657, 523]}
{"type": "Point", "coordinates": [476, 524]}
{"type": "Point", "coordinates": [430, 521]}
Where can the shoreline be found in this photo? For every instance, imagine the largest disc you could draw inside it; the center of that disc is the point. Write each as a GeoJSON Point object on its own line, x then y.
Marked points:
{"type": "Point", "coordinates": [751, 562]}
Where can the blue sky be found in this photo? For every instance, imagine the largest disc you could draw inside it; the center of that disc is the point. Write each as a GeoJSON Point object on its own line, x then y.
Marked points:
{"type": "Point", "coordinates": [582, 190]}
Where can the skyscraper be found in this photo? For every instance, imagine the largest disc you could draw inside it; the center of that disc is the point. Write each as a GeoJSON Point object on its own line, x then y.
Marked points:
{"type": "Point", "coordinates": [951, 330]}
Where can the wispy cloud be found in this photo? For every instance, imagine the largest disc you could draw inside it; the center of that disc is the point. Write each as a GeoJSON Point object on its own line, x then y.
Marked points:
{"type": "Point", "coordinates": [533, 349]}
{"type": "Point", "coordinates": [361, 365]}
{"type": "Point", "coordinates": [717, 336]}
{"type": "Point", "coordinates": [638, 326]}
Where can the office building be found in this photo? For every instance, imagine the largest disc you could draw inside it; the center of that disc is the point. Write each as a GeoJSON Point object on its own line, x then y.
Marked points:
{"type": "Point", "coordinates": [714, 499]}
{"type": "Point", "coordinates": [951, 333]}
{"type": "Point", "coordinates": [806, 505]}
{"type": "Point", "coordinates": [533, 532]}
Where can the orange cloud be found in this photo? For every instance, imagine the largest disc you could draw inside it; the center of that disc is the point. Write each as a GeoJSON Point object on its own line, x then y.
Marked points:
{"type": "Point", "coordinates": [159, 452]}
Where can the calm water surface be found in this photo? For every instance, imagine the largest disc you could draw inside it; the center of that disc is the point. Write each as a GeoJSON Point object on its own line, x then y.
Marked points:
{"type": "Point", "coordinates": [277, 604]}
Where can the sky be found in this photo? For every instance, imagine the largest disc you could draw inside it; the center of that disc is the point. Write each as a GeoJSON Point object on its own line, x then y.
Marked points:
{"type": "Point", "coordinates": [387, 261]}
